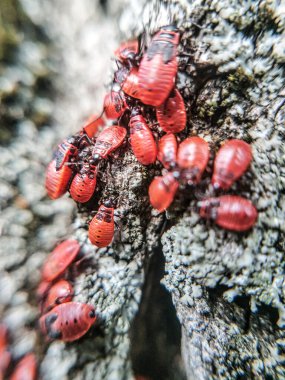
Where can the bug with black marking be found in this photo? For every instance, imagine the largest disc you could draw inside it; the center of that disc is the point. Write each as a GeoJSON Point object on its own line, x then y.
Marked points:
{"type": "Point", "coordinates": [142, 141]}
{"type": "Point", "coordinates": [101, 227]}
{"type": "Point", "coordinates": [231, 212]}
{"type": "Point", "coordinates": [158, 67]}
{"type": "Point", "coordinates": [115, 103]}
{"type": "Point", "coordinates": [68, 321]}
{"type": "Point", "coordinates": [128, 52]}
{"type": "Point", "coordinates": [107, 141]}
{"type": "Point", "coordinates": [84, 183]}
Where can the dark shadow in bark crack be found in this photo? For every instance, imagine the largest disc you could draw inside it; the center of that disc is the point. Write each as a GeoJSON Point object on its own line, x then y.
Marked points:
{"type": "Point", "coordinates": [156, 331]}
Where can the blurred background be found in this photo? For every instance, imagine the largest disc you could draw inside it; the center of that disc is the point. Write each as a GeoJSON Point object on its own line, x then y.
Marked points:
{"type": "Point", "coordinates": [54, 68]}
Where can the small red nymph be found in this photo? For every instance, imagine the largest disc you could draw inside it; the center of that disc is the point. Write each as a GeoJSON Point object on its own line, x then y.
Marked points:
{"type": "Point", "coordinates": [128, 80]}
{"type": "Point", "coordinates": [67, 150]}
{"type": "Point", "coordinates": [230, 212]}
{"type": "Point", "coordinates": [59, 259]}
{"type": "Point", "coordinates": [107, 141]}
{"type": "Point", "coordinates": [127, 50]}
{"type": "Point", "coordinates": [68, 321]}
{"type": "Point", "coordinates": [101, 227]}
{"type": "Point", "coordinates": [5, 355]}
{"type": "Point", "coordinates": [26, 369]}
{"type": "Point", "coordinates": [231, 162]}
{"type": "Point", "coordinates": [167, 150]}
{"type": "Point", "coordinates": [60, 292]}
{"type": "Point", "coordinates": [57, 181]}
{"type": "Point", "coordinates": [84, 183]}
{"type": "Point", "coordinates": [158, 67]}
{"type": "Point", "coordinates": [142, 141]}
{"type": "Point", "coordinates": [115, 103]}
{"type": "Point", "coordinates": [192, 158]}
{"type": "Point", "coordinates": [162, 191]}
{"type": "Point", "coordinates": [171, 115]}
{"type": "Point", "coordinates": [92, 125]}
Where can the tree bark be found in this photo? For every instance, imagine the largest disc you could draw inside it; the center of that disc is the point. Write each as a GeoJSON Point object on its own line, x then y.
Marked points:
{"type": "Point", "coordinates": [167, 280]}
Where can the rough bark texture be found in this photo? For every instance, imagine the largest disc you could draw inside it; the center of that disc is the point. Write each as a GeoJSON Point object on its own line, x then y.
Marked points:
{"type": "Point", "coordinates": [227, 288]}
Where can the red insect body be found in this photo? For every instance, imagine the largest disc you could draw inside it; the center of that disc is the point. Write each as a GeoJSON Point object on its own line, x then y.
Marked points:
{"type": "Point", "coordinates": [127, 50]}
{"type": "Point", "coordinates": [109, 140]}
{"type": "Point", "coordinates": [158, 67]}
{"type": "Point", "coordinates": [231, 162]}
{"type": "Point", "coordinates": [83, 185]}
{"type": "Point", "coordinates": [130, 86]}
{"type": "Point", "coordinates": [128, 80]}
{"type": "Point", "coordinates": [65, 152]}
{"type": "Point", "coordinates": [171, 115]}
{"type": "Point", "coordinates": [162, 191]}
{"type": "Point", "coordinates": [59, 259]}
{"type": "Point", "coordinates": [192, 157]}
{"type": "Point", "coordinates": [3, 337]}
{"type": "Point", "coordinates": [230, 212]}
{"type": "Point", "coordinates": [101, 227]}
{"type": "Point", "coordinates": [5, 356]}
{"type": "Point", "coordinates": [167, 150]}
{"type": "Point", "coordinates": [68, 321]}
{"type": "Point", "coordinates": [57, 181]}
{"type": "Point", "coordinates": [26, 369]}
{"type": "Point", "coordinates": [43, 289]}
{"type": "Point", "coordinates": [92, 125]}
{"type": "Point", "coordinates": [60, 292]}
{"type": "Point", "coordinates": [115, 103]}
{"type": "Point", "coordinates": [142, 140]}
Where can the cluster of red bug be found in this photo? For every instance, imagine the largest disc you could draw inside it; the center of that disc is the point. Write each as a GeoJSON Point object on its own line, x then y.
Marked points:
{"type": "Point", "coordinates": [189, 161]}
{"type": "Point", "coordinates": [145, 82]}
{"type": "Point", "coordinates": [61, 318]}
{"type": "Point", "coordinates": [26, 368]}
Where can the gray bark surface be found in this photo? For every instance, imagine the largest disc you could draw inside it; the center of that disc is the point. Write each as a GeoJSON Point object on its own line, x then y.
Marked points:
{"type": "Point", "coordinates": [227, 288]}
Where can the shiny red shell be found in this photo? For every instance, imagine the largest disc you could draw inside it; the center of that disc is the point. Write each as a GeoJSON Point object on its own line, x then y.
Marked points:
{"type": "Point", "coordinates": [60, 292]}
{"type": "Point", "coordinates": [68, 321]}
{"type": "Point", "coordinates": [171, 115]}
{"type": "Point", "coordinates": [230, 212]}
{"type": "Point", "coordinates": [162, 191]}
{"type": "Point", "coordinates": [142, 141]}
{"type": "Point", "coordinates": [126, 49]}
{"type": "Point", "coordinates": [158, 67]}
{"type": "Point", "coordinates": [231, 162]}
{"type": "Point", "coordinates": [59, 259]}
{"type": "Point", "coordinates": [57, 181]}
{"type": "Point", "coordinates": [167, 150]}
{"type": "Point", "coordinates": [101, 227]}
{"type": "Point", "coordinates": [114, 104]}
{"type": "Point", "coordinates": [109, 140]}
{"type": "Point", "coordinates": [192, 157]}
{"type": "Point", "coordinates": [83, 185]}
{"type": "Point", "coordinates": [26, 369]}
{"type": "Point", "coordinates": [5, 355]}
{"type": "Point", "coordinates": [92, 125]}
